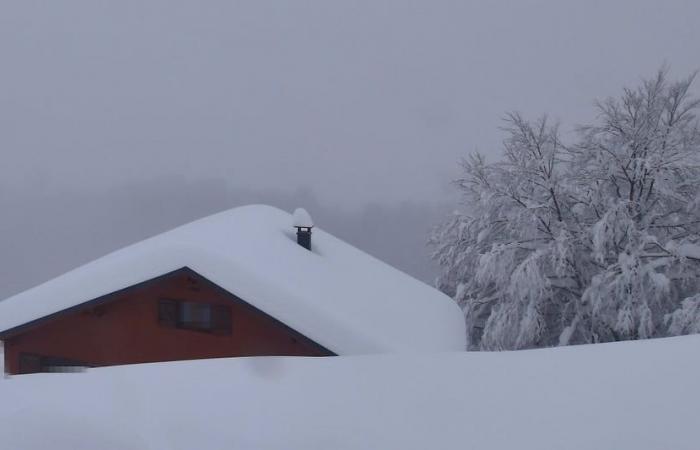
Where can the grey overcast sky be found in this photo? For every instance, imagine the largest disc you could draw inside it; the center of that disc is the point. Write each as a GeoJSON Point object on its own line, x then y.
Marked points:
{"type": "Point", "coordinates": [355, 101]}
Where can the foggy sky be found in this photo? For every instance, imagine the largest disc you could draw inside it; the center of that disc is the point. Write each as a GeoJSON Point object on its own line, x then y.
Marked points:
{"type": "Point", "coordinates": [354, 103]}
{"type": "Point", "coordinates": [357, 101]}
{"type": "Point", "coordinates": [54, 231]}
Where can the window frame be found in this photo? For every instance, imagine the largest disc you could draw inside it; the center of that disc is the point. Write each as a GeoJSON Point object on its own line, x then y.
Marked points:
{"type": "Point", "coordinates": [171, 314]}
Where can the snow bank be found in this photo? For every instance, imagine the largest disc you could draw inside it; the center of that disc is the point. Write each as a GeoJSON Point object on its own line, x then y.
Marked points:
{"type": "Point", "coordinates": [640, 395]}
{"type": "Point", "coordinates": [340, 297]}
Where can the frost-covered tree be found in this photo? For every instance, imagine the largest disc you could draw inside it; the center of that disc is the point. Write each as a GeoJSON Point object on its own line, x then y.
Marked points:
{"type": "Point", "coordinates": [591, 241]}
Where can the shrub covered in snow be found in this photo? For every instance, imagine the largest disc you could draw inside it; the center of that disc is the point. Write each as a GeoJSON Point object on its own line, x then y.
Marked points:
{"type": "Point", "coordinates": [591, 241]}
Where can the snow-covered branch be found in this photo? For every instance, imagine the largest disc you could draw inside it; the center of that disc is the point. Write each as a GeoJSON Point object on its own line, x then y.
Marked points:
{"type": "Point", "coordinates": [591, 241]}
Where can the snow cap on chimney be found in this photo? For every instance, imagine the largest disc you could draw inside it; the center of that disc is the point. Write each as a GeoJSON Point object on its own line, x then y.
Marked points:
{"type": "Point", "coordinates": [302, 219]}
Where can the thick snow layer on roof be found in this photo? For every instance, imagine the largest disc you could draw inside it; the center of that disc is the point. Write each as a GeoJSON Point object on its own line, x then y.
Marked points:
{"type": "Point", "coordinates": [302, 218]}
{"type": "Point", "coordinates": [632, 395]}
{"type": "Point", "coordinates": [336, 295]}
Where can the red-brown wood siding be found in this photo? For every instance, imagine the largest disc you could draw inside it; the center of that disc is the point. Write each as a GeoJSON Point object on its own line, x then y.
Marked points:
{"type": "Point", "coordinates": [126, 330]}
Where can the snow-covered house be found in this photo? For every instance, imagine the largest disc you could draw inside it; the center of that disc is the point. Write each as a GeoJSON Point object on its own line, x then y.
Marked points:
{"type": "Point", "coordinates": [242, 282]}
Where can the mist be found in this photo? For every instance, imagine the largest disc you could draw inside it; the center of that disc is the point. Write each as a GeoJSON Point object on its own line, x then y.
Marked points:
{"type": "Point", "coordinates": [53, 231]}
{"type": "Point", "coordinates": [119, 120]}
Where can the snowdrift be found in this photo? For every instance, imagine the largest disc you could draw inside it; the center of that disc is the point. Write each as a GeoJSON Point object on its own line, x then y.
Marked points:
{"type": "Point", "coordinates": [637, 395]}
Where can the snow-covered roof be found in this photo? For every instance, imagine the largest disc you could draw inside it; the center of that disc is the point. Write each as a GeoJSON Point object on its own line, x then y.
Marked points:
{"type": "Point", "coordinates": [337, 295]}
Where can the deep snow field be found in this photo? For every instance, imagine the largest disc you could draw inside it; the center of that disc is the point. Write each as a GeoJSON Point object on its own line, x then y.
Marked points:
{"type": "Point", "coordinates": [636, 395]}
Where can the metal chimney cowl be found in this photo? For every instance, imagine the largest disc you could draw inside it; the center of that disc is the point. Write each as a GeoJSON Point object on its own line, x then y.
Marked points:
{"type": "Point", "coordinates": [303, 224]}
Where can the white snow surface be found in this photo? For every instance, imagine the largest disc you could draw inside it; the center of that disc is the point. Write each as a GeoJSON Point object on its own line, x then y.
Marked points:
{"type": "Point", "coordinates": [302, 218]}
{"type": "Point", "coordinates": [689, 250]}
{"type": "Point", "coordinates": [635, 395]}
{"type": "Point", "coordinates": [337, 295]}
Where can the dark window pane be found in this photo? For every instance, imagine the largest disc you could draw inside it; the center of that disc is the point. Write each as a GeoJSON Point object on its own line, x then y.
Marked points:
{"type": "Point", "coordinates": [29, 363]}
{"type": "Point", "coordinates": [167, 313]}
{"type": "Point", "coordinates": [195, 316]}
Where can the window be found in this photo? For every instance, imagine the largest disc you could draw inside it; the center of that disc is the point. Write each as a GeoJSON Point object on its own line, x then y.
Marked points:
{"type": "Point", "coordinates": [29, 363]}
{"type": "Point", "coordinates": [32, 363]}
{"type": "Point", "coordinates": [195, 316]}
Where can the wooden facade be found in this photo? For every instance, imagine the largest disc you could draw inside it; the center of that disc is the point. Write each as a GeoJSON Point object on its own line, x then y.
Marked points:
{"type": "Point", "coordinates": [178, 316]}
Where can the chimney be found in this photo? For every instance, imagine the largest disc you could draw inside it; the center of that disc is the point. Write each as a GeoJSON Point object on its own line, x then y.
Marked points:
{"type": "Point", "coordinates": [303, 224]}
